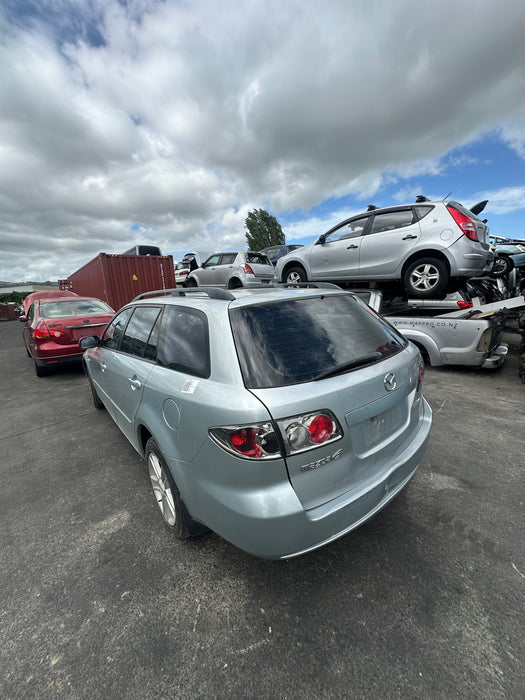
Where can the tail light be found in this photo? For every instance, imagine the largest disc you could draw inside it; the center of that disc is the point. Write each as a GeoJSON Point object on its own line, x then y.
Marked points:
{"type": "Point", "coordinates": [258, 441]}
{"type": "Point", "coordinates": [467, 226]}
{"type": "Point", "coordinates": [484, 341]}
{"type": "Point", "coordinates": [304, 432]}
{"type": "Point", "coordinates": [41, 333]}
{"type": "Point", "coordinates": [247, 269]}
{"type": "Point", "coordinates": [265, 440]}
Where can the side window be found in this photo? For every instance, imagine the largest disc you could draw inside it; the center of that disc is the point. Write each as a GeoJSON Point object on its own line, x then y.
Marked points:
{"type": "Point", "coordinates": [391, 220]}
{"type": "Point", "coordinates": [138, 330]}
{"type": "Point", "coordinates": [214, 260]}
{"type": "Point", "coordinates": [31, 313]}
{"type": "Point", "coordinates": [422, 211]}
{"type": "Point", "coordinates": [115, 330]}
{"type": "Point", "coordinates": [228, 258]}
{"type": "Point", "coordinates": [352, 229]}
{"type": "Point", "coordinates": [183, 343]}
{"type": "Point", "coordinates": [151, 346]}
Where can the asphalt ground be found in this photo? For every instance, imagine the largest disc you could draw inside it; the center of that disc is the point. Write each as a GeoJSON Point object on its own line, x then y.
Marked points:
{"type": "Point", "coordinates": [98, 600]}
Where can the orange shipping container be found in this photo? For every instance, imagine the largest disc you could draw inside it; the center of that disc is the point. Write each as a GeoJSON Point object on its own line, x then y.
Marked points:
{"type": "Point", "coordinates": [117, 279]}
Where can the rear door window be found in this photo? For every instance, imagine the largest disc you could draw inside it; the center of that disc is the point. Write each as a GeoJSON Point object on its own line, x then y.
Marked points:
{"type": "Point", "coordinates": [300, 340]}
{"type": "Point", "coordinates": [390, 220]}
{"type": "Point", "coordinates": [228, 258]}
{"type": "Point", "coordinates": [183, 343]}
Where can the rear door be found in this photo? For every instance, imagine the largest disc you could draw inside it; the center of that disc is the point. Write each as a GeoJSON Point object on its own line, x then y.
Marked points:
{"type": "Point", "coordinates": [224, 268]}
{"type": "Point", "coordinates": [387, 243]}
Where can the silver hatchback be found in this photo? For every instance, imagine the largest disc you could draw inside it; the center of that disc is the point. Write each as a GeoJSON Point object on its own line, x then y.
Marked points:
{"type": "Point", "coordinates": [430, 247]}
{"type": "Point", "coordinates": [279, 418]}
{"type": "Point", "coordinates": [233, 270]}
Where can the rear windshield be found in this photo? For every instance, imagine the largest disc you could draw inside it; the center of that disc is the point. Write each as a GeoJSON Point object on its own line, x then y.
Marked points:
{"type": "Point", "coordinates": [300, 340]}
{"type": "Point", "coordinates": [83, 307]}
{"type": "Point", "coordinates": [257, 258]}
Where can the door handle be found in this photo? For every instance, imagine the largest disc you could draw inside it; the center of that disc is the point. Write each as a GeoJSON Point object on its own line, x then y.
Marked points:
{"type": "Point", "coordinates": [135, 384]}
{"type": "Point", "coordinates": [103, 366]}
{"type": "Point", "coordinates": [352, 245]}
{"type": "Point", "coordinates": [409, 237]}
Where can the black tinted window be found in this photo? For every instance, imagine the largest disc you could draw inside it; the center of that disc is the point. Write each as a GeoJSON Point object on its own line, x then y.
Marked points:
{"type": "Point", "coordinates": [183, 343]}
{"type": "Point", "coordinates": [299, 340]}
{"type": "Point", "coordinates": [257, 258]}
{"type": "Point", "coordinates": [138, 330]}
{"type": "Point", "coordinates": [115, 330]}
{"type": "Point", "coordinates": [391, 220]}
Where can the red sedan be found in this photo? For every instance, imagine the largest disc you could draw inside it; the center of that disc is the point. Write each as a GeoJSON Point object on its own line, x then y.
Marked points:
{"type": "Point", "coordinates": [53, 327]}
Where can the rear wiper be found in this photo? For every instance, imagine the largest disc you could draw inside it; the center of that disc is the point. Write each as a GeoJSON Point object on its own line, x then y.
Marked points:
{"type": "Point", "coordinates": [358, 362]}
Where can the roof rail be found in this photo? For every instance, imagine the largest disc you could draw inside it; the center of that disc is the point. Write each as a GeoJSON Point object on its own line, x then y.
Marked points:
{"type": "Point", "coordinates": [308, 285]}
{"type": "Point", "coordinates": [212, 292]}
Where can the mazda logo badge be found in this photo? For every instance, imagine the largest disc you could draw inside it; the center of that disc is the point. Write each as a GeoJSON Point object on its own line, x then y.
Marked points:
{"type": "Point", "coordinates": [390, 382]}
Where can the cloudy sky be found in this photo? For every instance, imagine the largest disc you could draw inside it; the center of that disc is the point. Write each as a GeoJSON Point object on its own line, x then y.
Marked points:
{"type": "Point", "coordinates": [143, 121]}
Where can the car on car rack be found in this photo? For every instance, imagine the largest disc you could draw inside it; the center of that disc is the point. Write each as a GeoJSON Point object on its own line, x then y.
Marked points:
{"type": "Point", "coordinates": [427, 247]}
{"type": "Point", "coordinates": [280, 418]}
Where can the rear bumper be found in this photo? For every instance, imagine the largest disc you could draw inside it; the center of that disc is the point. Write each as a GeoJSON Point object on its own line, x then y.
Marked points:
{"type": "Point", "coordinates": [65, 356]}
{"type": "Point", "coordinates": [497, 357]}
{"type": "Point", "coordinates": [272, 523]}
{"type": "Point", "coordinates": [256, 282]}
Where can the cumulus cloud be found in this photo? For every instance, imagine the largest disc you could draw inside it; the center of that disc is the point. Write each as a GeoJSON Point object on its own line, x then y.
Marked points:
{"type": "Point", "coordinates": [166, 122]}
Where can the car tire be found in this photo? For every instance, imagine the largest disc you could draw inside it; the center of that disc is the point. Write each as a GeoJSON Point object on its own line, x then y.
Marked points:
{"type": "Point", "coordinates": [96, 399]}
{"type": "Point", "coordinates": [502, 266]}
{"type": "Point", "coordinates": [295, 275]}
{"type": "Point", "coordinates": [425, 278]}
{"type": "Point", "coordinates": [191, 283]}
{"type": "Point", "coordinates": [40, 370]}
{"type": "Point", "coordinates": [172, 508]}
{"type": "Point", "coordinates": [27, 350]}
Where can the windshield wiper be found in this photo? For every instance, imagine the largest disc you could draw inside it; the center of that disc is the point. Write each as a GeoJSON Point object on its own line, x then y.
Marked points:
{"type": "Point", "coordinates": [358, 362]}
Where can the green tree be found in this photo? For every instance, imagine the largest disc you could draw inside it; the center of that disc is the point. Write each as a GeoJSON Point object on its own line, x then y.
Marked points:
{"type": "Point", "coordinates": [263, 230]}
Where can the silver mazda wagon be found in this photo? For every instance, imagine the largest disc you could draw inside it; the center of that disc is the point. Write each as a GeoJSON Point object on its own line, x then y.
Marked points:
{"type": "Point", "coordinates": [280, 418]}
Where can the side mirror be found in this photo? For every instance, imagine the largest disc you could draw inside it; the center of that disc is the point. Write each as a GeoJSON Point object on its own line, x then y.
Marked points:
{"type": "Point", "coordinates": [23, 319]}
{"type": "Point", "coordinates": [89, 341]}
{"type": "Point", "coordinates": [321, 239]}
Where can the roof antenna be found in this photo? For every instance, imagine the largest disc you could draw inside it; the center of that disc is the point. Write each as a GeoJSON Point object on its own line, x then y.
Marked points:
{"type": "Point", "coordinates": [448, 195]}
{"type": "Point", "coordinates": [371, 207]}
{"type": "Point", "coordinates": [421, 198]}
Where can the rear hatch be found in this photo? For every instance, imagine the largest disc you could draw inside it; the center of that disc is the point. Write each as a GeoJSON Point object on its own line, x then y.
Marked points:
{"type": "Point", "coordinates": [260, 265]}
{"type": "Point", "coordinates": [376, 425]}
{"type": "Point", "coordinates": [330, 355]}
